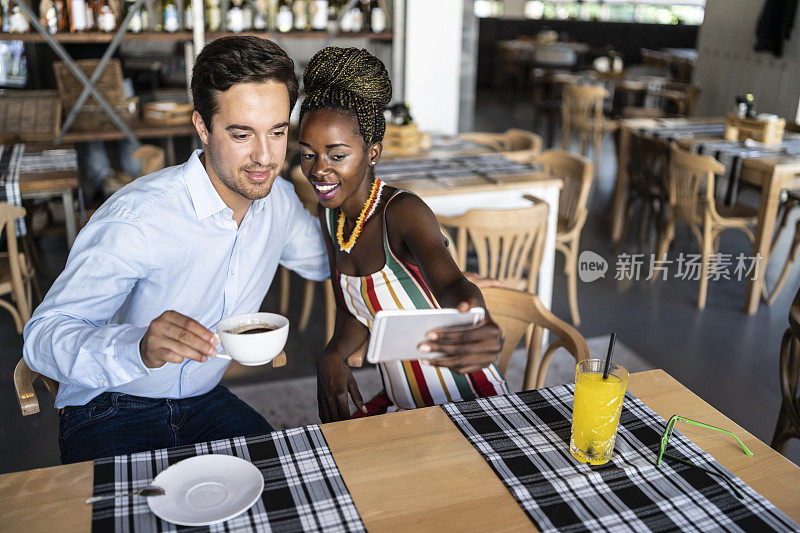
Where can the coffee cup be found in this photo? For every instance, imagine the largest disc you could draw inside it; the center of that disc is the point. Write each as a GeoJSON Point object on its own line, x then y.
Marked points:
{"type": "Point", "coordinates": [254, 338]}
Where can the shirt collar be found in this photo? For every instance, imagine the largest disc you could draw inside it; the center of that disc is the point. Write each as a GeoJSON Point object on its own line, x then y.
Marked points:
{"type": "Point", "coordinates": [204, 196]}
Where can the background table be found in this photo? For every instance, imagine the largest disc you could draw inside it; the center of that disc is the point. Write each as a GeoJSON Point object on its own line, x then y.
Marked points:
{"type": "Point", "coordinates": [412, 468]}
{"type": "Point", "coordinates": [53, 184]}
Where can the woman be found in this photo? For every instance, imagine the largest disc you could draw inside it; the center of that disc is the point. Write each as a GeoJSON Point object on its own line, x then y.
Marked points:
{"type": "Point", "coordinates": [385, 248]}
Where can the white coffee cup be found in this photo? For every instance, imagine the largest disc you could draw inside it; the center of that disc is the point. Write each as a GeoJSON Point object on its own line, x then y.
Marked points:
{"type": "Point", "coordinates": [252, 349]}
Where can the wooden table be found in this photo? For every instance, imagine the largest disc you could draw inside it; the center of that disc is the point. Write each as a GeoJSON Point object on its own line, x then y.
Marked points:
{"type": "Point", "coordinates": [772, 175]}
{"type": "Point", "coordinates": [414, 468]}
{"type": "Point", "coordinates": [49, 184]}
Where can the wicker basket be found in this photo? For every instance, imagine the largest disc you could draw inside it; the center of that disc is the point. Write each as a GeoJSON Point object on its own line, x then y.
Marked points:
{"type": "Point", "coordinates": [93, 117]}
{"type": "Point", "coordinates": [109, 84]}
{"type": "Point", "coordinates": [167, 113]}
{"type": "Point", "coordinates": [30, 115]}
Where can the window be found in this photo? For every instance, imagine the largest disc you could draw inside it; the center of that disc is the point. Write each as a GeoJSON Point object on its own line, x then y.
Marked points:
{"type": "Point", "coordinates": [645, 11]}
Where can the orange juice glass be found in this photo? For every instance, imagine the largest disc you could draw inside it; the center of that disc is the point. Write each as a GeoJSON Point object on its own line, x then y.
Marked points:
{"type": "Point", "coordinates": [595, 412]}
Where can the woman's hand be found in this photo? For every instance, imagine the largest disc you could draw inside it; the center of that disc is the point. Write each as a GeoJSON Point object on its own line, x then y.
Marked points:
{"type": "Point", "coordinates": [335, 382]}
{"type": "Point", "coordinates": [466, 349]}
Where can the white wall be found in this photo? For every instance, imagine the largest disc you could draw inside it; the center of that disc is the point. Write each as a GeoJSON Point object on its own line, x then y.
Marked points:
{"type": "Point", "coordinates": [727, 66]}
{"type": "Point", "coordinates": [433, 62]}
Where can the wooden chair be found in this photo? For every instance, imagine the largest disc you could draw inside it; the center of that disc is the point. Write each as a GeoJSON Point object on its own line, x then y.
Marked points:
{"type": "Point", "coordinates": [788, 425]}
{"type": "Point", "coordinates": [516, 312]}
{"type": "Point", "coordinates": [678, 98]}
{"type": "Point", "coordinates": [576, 173]}
{"type": "Point", "coordinates": [648, 171]}
{"type": "Point", "coordinates": [15, 273]}
{"type": "Point", "coordinates": [24, 378]}
{"type": "Point", "coordinates": [792, 201]}
{"type": "Point", "coordinates": [582, 111]}
{"type": "Point", "coordinates": [691, 198]}
{"type": "Point", "coordinates": [508, 242]}
{"type": "Point", "coordinates": [308, 197]}
{"type": "Point", "coordinates": [519, 145]}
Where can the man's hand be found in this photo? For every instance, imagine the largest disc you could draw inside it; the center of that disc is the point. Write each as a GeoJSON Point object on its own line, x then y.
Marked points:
{"type": "Point", "coordinates": [335, 382]}
{"type": "Point", "coordinates": [466, 349]}
{"type": "Point", "coordinates": [173, 337]}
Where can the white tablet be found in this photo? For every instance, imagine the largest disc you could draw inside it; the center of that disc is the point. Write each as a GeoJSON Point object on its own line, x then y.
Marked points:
{"type": "Point", "coordinates": [396, 334]}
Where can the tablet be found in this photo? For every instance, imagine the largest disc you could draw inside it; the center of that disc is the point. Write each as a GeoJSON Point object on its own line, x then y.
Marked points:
{"type": "Point", "coordinates": [396, 334]}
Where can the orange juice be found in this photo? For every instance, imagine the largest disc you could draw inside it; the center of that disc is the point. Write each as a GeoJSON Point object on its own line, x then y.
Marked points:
{"type": "Point", "coordinates": [595, 412]}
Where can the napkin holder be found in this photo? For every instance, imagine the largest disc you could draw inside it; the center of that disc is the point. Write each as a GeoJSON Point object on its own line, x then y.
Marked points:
{"type": "Point", "coordinates": [767, 132]}
{"type": "Point", "coordinates": [405, 139]}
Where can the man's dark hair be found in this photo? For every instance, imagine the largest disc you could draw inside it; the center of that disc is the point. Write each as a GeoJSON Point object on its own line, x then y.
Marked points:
{"type": "Point", "coordinates": [238, 59]}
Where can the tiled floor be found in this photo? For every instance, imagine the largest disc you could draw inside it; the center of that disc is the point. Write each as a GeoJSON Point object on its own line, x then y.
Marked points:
{"type": "Point", "coordinates": [725, 356]}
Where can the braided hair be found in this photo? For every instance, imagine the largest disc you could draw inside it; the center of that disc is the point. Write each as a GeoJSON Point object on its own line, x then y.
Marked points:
{"type": "Point", "coordinates": [352, 80]}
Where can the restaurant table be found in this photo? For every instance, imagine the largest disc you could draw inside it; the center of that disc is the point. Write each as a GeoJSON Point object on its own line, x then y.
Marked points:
{"type": "Point", "coordinates": [771, 174]}
{"type": "Point", "coordinates": [414, 468]}
{"type": "Point", "coordinates": [452, 194]}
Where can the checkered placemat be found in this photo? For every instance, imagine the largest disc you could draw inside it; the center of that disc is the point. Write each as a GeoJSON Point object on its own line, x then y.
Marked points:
{"type": "Point", "coordinates": [525, 439]}
{"type": "Point", "coordinates": [11, 156]}
{"type": "Point", "coordinates": [487, 165]}
{"type": "Point", "coordinates": [47, 160]}
{"type": "Point", "coordinates": [303, 488]}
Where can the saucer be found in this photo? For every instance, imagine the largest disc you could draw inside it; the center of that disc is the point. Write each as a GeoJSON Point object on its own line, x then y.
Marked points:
{"type": "Point", "coordinates": [206, 490]}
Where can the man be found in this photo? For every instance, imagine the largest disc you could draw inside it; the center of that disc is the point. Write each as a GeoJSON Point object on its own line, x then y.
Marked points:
{"type": "Point", "coordinates": [125, 329]}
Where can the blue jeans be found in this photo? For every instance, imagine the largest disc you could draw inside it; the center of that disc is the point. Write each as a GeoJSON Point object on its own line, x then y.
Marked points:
{"type": "Point", "coordinates": [114, 423]}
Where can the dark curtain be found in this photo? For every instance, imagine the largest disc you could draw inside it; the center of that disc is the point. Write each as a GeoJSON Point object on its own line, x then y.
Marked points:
{"type": "Point", "coordinates": [775, 26]}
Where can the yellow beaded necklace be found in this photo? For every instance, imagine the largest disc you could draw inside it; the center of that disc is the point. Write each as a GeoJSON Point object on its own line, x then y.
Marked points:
{"type": "Point", "coordinates": [366, 212]}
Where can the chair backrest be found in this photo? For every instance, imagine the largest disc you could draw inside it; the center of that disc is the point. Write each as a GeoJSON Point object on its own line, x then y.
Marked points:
{"type": "Point", "coordinates": [682, 95]}
{"type": "Point", "coordinates": [576, 172]}
{"type": "Point", "coordinates": [788, 426]}
{"type": "Point", "coordinates": [515, 312]}
{"type": "Point", "coordinates": [649, 163]}
{"type": "Point", "coordinates": [583, 101]}
{"type": "Point", "coordinates": [508, 242]}
{"type": "Point", "coordinates": [516, 144]}
{"type": "Point", "coordinates": [304, 189]}
{"type": "Point", "coordinates": [691, 184]}
{"type": "Point", "coordinates": [17, 264]}
{"type": "Point", "coordinates": [26, 394]}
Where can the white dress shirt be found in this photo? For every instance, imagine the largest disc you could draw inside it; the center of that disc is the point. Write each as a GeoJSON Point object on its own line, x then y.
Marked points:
{"type": "Point", "coordinates": [167, 241]}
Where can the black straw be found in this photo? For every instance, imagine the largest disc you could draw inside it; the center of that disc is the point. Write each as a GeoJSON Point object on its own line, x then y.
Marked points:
{"type": "Point", "coordinates": [610, 353]}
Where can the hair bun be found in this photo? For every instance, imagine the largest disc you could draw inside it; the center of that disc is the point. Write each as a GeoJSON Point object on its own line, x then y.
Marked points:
{"type": "Point", "coordinates": [352, 70]}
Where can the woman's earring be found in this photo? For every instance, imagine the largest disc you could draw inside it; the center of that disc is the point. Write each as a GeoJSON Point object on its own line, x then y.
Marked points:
{"type": "Point", "coordinates": [372, 163]}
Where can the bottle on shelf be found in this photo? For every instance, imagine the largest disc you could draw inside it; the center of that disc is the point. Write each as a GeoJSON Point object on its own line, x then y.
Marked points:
{"type": "Point", "coordinates": [145, 14]}
{"type": "Point", "coordinates": [19, 22]}
{"type": "Point", "coordinates": [5, 16]}
{"type": "Point", "coordinates": [234, 18]}
{"type": "Point", "coordinates": [188, 16]}
{"type": "Point", "coordinates": [260, 15]}
{"type": "Point", "coordinates": [171, 21]}
{"type": "Point", "coordinates": [77, 15]}
{"type": "Point", "coordinates": [48, 16]}
{"type": "Point", "coordinates": [159, 14]}
{"type": "Point", "coordinates": [318, 11]}
{"type": "Point", "coordinates": [272, 13]}
{"type": "Point", "coordinates": [106, 18]}
{"type": "Point", "coordinates": [377, 17]}
{"type": "Point", "coordinates": [300, 10]}
{"type": "Point", "coordinates": [213, 15]}
{"type": "Point", "coordinates": [91, 20]}
{"type": "Point", "coordinates": [284, 20]}
{"type": "Point", "coordinates": [248, 11]}
{"type": "Point", "coordinates": [135, 23]}
{"type": "Point", "coordinates": [333, 16]}
{"type": "Point", "coordinates": [353, 20]}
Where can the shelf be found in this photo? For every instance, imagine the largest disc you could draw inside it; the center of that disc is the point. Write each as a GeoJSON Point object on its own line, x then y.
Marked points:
{"type": "Point", "coordinates": [98, 37]}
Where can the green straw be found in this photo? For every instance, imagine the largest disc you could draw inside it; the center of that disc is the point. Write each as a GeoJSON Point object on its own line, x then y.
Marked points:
{"type": "Point", "coordinates": [611, 342]}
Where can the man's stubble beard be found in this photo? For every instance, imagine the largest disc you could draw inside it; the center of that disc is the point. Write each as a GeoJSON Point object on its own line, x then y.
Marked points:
{"type": "Point", "coordinates": [247, 190]}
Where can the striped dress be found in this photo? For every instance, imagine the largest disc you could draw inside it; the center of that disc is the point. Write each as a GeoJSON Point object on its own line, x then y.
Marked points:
{"type": "Point", "coordinates": [407, 384]}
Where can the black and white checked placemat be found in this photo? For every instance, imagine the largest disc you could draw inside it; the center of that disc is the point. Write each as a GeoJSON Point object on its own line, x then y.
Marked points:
{"type": "Point", "coordinates": [525, 439]}
{"type": "Point", "coordinates": [487, 165]}
{"type": "Point", "coordinates": [303, 488]}
{"type": "Point", "coordinates": [11, 155]}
